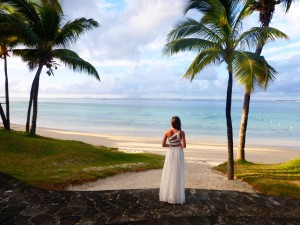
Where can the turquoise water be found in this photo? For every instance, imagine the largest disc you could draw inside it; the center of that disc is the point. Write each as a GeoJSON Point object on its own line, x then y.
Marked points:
{"type": "Point", "coordinates": [268, 120]}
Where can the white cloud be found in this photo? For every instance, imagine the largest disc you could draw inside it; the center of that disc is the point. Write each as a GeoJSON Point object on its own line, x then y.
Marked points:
{"type": "Point", "coordinates": [287, 22]}
{"type": "Point", "coordinates": [281, 48]}
{"type": "Point", "coordinates": [123, 34]}
{"type": "Point", "coordinates": [127, 52]}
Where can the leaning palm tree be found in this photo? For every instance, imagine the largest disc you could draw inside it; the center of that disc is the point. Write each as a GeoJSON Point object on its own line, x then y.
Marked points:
{"type": "Point", "coordinates": [217, 37]}
{"type": "Point", "coordinates": [47, 44]}
{"type": "Point", "coordinates": [266, 8]}
{"type": "Point", "coordinates": [251, 83]}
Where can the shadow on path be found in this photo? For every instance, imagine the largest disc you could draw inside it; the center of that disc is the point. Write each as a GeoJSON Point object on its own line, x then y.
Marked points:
{"type": "Point", "coordinates": [23, 204]}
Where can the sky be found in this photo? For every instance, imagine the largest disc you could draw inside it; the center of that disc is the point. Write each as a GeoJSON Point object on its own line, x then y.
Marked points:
{"type": "Point", "coordinates": [127, 48]}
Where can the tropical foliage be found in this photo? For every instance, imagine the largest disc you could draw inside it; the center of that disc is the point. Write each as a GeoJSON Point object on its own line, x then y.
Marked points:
{"type": "Point", "coordinates": [217, 37]}
{"type": "Point", "coordinates": [40, 28]}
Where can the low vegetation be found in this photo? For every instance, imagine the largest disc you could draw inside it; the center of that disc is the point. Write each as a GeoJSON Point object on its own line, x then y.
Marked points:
{"type": "Point", "coordinates": [273, 179]}
{"type": "Point", "coordinates": [56, 164]}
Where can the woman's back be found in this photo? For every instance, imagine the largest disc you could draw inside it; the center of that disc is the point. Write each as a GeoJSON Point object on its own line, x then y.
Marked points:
{"type": "Point", "coordinates": [175, 140]}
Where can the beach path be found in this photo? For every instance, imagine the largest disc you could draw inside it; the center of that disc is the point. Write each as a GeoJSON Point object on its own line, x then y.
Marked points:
{"type": "Point", "coordinates": [197, 176]}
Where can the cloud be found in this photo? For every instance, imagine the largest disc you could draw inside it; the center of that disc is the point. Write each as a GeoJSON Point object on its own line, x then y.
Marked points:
{"type": "Point", "coordinates": [287, 22]}
{"type": "Point", "coordinates": [288, 78]}
{"type": "Point", "coordinates": [127, 51]}
{"type": "Point", "coordinates": [124, 33]}
{"type": "Point", "coordinates": [156, 81]}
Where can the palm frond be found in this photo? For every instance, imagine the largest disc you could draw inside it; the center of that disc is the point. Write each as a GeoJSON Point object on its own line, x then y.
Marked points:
{"type": "Point", "coordinates": [202, 6]}
{"type": "Point", "coordinates": [270, 34]}
{"type": "Point", "coordinates": [50, 20]}
{"type": "Point", "coordinates": [13, 25]}
{"type": "Point", "coordinates": [203, 59]}
{"type": "Point", "coordinates": [71, 31]}
{"type": "Point", "coordinates": [25, 9]}
{"type": "Point", "coordinates": [286, 4]}
{"type": "Point", "coordinates": [54, 4]}
{"type": "Point", "coordinates": [252, 70]}
{"type": "Point", "coordinates": [260, 36]}
{"type": "Point", "coordinates": [72, 60]}
{"type": "Point", "coordinates": [220, 17]}
{"type": "Point", "coordinates": [245, 11]}
{"type": "Point", "coordinates": [229, 12]}
{"type": "Point", "coordinates": [6, 8]}
{"type": "Point", "coordinates": [8, 41]}
{"type": "Point", "coordinates": [213, 12]}
{"type": "Point", "coordinates": [29, 56]}
{"type": "Point", "coordinates": [192, 28]}
{"type": "Point", "coordinates": [188, 44]}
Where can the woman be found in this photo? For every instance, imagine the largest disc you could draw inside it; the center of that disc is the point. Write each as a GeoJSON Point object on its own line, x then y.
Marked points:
{"type": "Point", "coordinates": [172, 179]}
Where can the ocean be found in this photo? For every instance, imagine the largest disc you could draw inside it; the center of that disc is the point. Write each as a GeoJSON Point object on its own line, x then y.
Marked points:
{"type": "Point", "coordinates": [271, 123]}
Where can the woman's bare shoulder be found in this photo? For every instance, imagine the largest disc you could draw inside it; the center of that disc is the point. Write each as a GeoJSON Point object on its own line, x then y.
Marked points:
{"type": "Point", "coordinates": [168, 132]}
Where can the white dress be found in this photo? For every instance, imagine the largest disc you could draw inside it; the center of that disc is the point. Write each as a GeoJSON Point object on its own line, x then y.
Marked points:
{"type": "Point", "coordinates": [172, 179]}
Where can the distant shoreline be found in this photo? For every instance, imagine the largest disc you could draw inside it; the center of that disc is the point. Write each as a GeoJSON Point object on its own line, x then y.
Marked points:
{"type": "Point", "coordinates": [71, 97]}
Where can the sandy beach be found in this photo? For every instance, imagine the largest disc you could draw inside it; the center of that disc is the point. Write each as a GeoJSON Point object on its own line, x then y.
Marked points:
{"type": "Point", "coordinates": [200, 157]}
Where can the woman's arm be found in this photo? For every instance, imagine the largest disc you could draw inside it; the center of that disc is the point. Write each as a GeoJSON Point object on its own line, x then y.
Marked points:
{"type": "Point", "coordinates": [164, 141]}
{"type": "Point", "coordinates": [183, 142]}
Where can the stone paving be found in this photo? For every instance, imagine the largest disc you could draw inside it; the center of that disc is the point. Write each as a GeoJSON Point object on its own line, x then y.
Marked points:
{"type": "Point", "coordinates": [23, 204]}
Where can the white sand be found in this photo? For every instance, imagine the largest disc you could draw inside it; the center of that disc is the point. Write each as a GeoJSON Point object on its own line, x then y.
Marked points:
{"type": "Point", "coordinates": [199, 158]}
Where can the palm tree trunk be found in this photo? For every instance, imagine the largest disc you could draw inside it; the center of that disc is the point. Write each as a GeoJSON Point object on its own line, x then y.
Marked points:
{"type": "Point", "coordinates": [230, 173]}
{"type": "Point", "coordinates": [6, 94]}
{"type": "Point", "coordinates": [30, 105]}
{"type": "Point", "coordinates": [3, 117]}
{"type": "Point", "coordinates": [243, 127]}
{"type": "Point", "coordinates": [35, 100]}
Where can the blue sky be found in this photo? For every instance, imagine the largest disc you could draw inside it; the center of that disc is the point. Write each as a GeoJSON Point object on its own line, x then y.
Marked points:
{"type": "Point", "coordinates": [127, 53]}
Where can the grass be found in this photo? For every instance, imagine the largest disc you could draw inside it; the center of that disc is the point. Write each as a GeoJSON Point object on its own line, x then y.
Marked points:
{"type": "Point", "coordinates": [273, 179]}
{"type": "Point", "coordinates": [55, 164]}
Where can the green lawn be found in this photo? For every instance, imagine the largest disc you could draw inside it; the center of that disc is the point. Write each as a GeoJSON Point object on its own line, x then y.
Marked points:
{"type": "Point", "coordinates": [276, 179]}
{"type": "Point", "coordinates": [55, 164]}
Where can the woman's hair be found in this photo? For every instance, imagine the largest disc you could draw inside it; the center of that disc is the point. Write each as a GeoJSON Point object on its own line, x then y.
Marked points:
{"type": "Point", "coordinates": [176, 123]}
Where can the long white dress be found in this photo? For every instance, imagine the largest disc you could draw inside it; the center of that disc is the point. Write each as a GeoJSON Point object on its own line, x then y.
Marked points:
{"type": "Point", "coordinates": [172, 179]}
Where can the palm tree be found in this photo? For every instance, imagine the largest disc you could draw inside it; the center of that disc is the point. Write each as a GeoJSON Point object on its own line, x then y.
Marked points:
{"type": "Point", "coordinates": [4, 53]}
{"type": "Point", "coordinates": [5, 40]}
{"type": "Point", "coordinates": [10, 36]}
{"type": "Point", "coordinates": [217, 37]}
{"type": "Point", "coordinates": [251, 83]}
{"type": "Point", "coordinates": [266, 9]}
{"type": "Point", "coordinates": [47, 42]}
